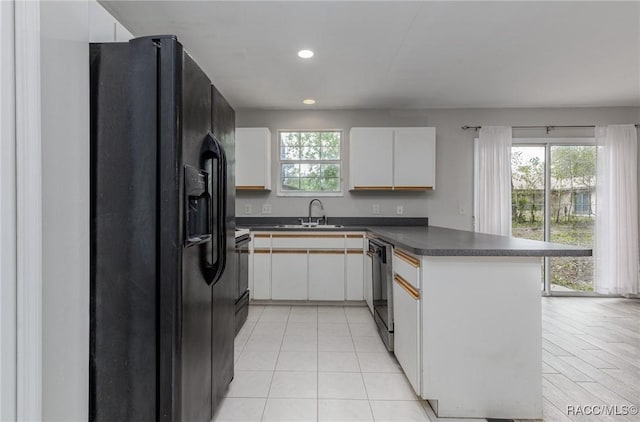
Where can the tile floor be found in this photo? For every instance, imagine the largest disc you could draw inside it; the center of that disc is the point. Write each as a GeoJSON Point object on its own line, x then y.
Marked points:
{"type": "Point", "coordinates": [321, 363]}
{"type": "Point", "coordinates": [316, 363]}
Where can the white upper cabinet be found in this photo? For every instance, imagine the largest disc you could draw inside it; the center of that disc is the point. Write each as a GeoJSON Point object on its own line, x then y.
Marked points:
{"type": "Point", "coordinates": [253, 158]}
{"type": "Point", "coordinates": [392, 158]}
{"type": "Point", "coordinates": [414, 153]}
{"type": "Point", "coordinates": [370, 158]}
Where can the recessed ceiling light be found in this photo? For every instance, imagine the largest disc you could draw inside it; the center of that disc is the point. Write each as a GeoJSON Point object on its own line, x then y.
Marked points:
{"type": "Point", "coordinates": [305, 54]}
{"type": "Point", "coordinates": [309, 101]}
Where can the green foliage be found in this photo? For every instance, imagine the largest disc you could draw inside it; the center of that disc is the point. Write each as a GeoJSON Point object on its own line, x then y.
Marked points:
{"type": "Point", "coordinates": [310, 161]}
{"type": "Point", "coordinates": [572, 167]}
{"type": "Point", "coordinates": [527, 177]}
{"type": "Point", "coordinates": [575, 273]}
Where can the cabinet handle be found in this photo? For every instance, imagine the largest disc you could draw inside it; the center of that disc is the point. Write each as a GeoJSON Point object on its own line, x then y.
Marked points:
{"type": "Point", "coordinates": [413, 188]}
{"type": "Point", "coordinates": [321, 236]}
{"type": "Point", "coordinates": [414, 262]}
{"type": "Point", "coordinates": [373, 188]}
{"type": "Point", "coordinates": [262, 251]}
{"type": "Point", "coordinates": [250, 187]}
{"type": "Point", "coordinates": [413, 292]}
{"type": "Point", "coordinates": [354, 251]}
{"type": "Point", "coordinates": [289, 251]}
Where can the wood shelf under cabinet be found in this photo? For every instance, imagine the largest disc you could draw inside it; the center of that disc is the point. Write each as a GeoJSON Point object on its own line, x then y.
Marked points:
{"type": "Point", "coordinates": [393, 188]}
{"type": "Point", "coordinates": [253, 188]}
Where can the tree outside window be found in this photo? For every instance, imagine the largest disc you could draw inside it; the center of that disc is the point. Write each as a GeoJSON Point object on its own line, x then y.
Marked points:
{"type": "Point", "coordinates": [310, 162]}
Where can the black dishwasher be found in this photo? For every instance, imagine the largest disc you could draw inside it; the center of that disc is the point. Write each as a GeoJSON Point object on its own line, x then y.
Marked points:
{"type": "Point", "coordinates": [242, 272]}
{"type": "Point", "coordinates": [382, 275]}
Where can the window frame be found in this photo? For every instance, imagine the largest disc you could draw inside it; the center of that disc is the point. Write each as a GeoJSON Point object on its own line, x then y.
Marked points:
{"type": "Point", "coordinates": [340, 162]}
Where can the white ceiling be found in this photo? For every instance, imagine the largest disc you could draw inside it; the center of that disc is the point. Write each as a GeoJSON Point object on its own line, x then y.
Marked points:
{"type": "Point", "coordinates": [406, 55]}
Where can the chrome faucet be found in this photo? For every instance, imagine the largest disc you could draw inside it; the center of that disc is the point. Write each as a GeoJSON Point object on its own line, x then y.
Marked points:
{"type": "Point", "coordinates": [321, 207]}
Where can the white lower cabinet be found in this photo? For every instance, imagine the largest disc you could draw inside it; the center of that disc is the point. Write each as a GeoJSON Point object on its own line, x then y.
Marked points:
{"type": "Point", "coordinates": [406, 315]}
{"type": "Point", "coordinates": [326, 275]}
{"type": "Point", "coordinates": [406, 326]}
{"type": "Point", "coordinates": [289, 275]}
{"type": "Point", "coordinates": [355, 275]}
{"type": "Point", "coordinates": [261, 275]}
{"type": "Point", "coordinates": [304, 266]}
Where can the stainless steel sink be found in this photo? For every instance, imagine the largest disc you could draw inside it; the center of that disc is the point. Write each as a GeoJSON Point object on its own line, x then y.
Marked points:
{"type": "Point", "coordinates": [308, 227]}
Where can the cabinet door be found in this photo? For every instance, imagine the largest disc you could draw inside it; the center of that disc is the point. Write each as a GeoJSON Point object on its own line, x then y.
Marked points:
{"type": "Point", "coordinates": [289, 275]}
{"type": "Point", "coordinates": [368, 280]}
{"type": "Point", "coordinates": [326, 275]}
{"type": "Point", "coordinates": [355, 274]}
{"type": "Point", "coordinates": [253, 158]}
{"type": "Point", "coordinates": [414, 158]}
{"type": "Point", "coordinates": [261, 272]}
{"type": "Point", "coordinates": [406, 330]}
{"type": "Point", "coordinates": [371, 158]}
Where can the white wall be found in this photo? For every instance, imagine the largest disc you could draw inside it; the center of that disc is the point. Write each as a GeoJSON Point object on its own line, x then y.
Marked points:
{"type": "Point", "coordinates": [66, 29]}
{"type": "Point", "coordinates": [7, 216]}
{"type": "Point", "coordinates": [65, 209]}
{"type": "Point", "coordinates": [454, 155]}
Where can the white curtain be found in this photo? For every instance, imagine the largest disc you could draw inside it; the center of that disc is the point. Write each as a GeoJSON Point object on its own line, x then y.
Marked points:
{"type": "Point", "coordinates": [493, 180]}
{"type": "Point", "coordinates": [616, 246]}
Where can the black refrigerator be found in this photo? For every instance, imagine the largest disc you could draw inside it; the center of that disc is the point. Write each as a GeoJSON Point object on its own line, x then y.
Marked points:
{"type": "Point", "coordinates": [162, 235]}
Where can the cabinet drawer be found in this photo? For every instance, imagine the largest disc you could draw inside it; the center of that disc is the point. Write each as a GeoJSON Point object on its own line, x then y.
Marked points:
{"type": "Point", "coordinates": [261, 240]}
{"type": "Point", "coordinates": [407, 266]}
{"type": "Point", "coordinates": [355, 241]}
{"type": "Point", "coordinates": [308, 241]}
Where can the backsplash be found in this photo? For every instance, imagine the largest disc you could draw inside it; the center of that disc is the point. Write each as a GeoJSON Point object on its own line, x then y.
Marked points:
{"type": "Point", "coordinates": [345, 221]}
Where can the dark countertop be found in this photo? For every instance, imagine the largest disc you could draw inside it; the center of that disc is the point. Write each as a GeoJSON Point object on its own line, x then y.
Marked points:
{"type": "Point", "coordinates": [439, 241]}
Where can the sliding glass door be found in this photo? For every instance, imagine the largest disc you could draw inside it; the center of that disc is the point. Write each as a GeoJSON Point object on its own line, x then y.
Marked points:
{"type": "Point", "coordinates": [573, 183]}
{"type": "Point", "coordinates": [528, 193]}
{"type": "Point", "coordinates": [553, 199]}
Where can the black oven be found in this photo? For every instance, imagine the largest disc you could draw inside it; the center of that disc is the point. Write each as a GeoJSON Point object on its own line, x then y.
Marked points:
{"type": "Point", "coordinates": [382, 276]}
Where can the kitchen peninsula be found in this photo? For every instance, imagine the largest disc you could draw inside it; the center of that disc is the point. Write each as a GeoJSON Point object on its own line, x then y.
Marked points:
{"type": "Point", "coordinates": [467, 309]}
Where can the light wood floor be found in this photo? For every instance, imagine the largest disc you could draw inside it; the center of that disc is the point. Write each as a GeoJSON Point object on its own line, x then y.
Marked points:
{"type": "Point", "coordinates": [591, 355]}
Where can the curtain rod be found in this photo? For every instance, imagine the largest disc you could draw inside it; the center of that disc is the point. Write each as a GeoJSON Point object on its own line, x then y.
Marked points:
{"type": "Point", "coordinates": [548, 127]}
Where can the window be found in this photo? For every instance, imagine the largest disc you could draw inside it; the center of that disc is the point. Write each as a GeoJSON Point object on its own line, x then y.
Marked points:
{"type": "Point", "coordinates": [582, 203]}
{"type": "Point", "coordinates": [310, 163]}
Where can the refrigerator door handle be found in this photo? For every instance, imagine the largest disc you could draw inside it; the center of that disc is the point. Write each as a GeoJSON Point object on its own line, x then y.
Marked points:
{"type": "Point", "coordinates": [213, 257]}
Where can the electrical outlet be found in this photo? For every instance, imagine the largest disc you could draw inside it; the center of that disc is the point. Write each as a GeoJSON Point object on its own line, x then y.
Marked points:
{"type": "Point", "coordinates": [399, 210]}
{"type": "Point", "coordinates": [376, 209]}
{"type": "Point", "coordinates": [247, 208]}
{"type": "Point", "coordinates": [461, 210]}
{"type": "Point", "coordinates": [266, 208]}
